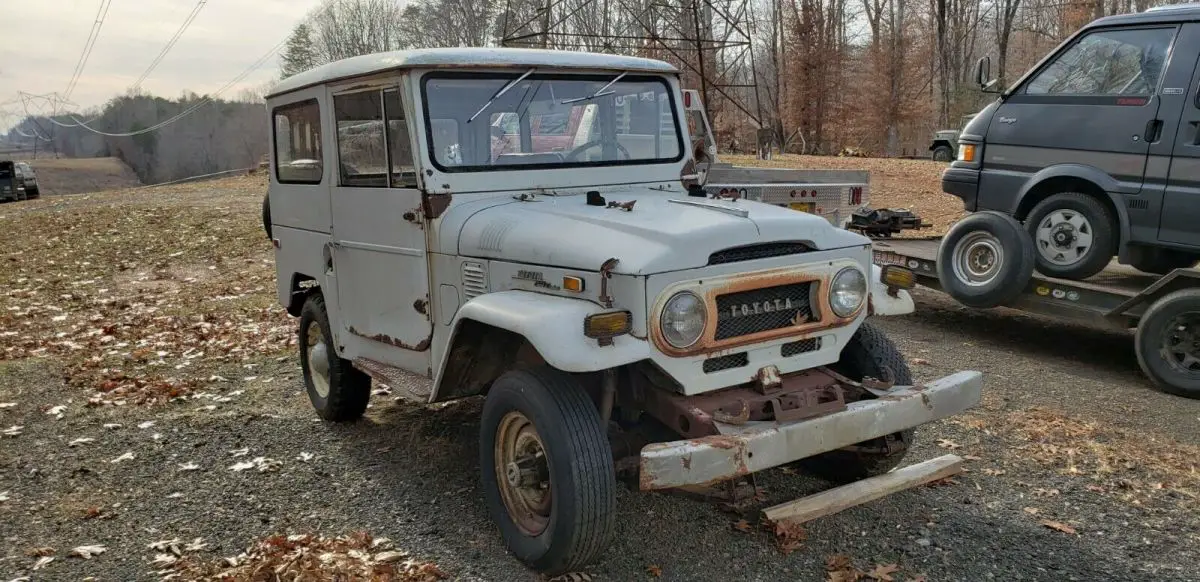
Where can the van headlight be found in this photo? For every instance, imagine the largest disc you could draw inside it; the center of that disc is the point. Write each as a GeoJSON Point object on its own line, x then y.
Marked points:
{"type": "Point", "coordinates": [683, 319]}
{"type": "Point", "coordinates": [847, 291]}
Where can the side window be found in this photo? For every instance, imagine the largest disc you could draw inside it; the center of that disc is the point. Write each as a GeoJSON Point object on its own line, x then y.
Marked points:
{"type": "Point", "coordinates": [362, 153]}
{"type": "Point", "coordinates": [298, 143]}
{"type": "Point", "coordinates": [1110, 62]}
{"type": "Point", "coordinates": [404, 173]}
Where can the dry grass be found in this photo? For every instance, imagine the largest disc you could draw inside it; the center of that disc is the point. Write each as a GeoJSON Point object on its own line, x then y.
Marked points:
{"type": "Point", "coordinates": [912, 184]}
{"type": "Point", "coordinates": [139, 293]}
{"type": "Point", "coordinates": [72, 175]}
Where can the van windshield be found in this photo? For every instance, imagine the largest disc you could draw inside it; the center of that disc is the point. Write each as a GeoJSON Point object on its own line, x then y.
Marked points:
{"type": "Point", "coordinates": [549, 121]}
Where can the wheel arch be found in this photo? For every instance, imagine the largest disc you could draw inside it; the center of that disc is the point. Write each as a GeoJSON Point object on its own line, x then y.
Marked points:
{"type": "Point", "coordinates": [300, 288]}
{"type": "Point", "coordinates": [1076, 178]}
{"type": "Point", "coordinates": [937, 143]}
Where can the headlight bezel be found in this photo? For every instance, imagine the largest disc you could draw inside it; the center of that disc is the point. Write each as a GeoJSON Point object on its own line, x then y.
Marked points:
{"type": "Point", "coordinates": [703, 313]}
{"type": "Point", "coordinates": [833, 290]}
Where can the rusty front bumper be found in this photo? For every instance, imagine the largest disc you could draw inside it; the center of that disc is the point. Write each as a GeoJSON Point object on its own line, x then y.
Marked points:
{"type": "Point", "coordinates": [741, 450]}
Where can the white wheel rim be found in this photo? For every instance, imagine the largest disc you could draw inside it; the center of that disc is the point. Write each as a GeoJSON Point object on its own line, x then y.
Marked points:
{"type": "Point", "coordinates": [1064, 237]}
{"type": "Point", "coordinates": [977, 259]}
{"type": "Point", "coordinates": [318, 359]}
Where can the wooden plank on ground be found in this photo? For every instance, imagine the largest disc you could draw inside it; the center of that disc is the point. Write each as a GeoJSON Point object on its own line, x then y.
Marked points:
{"type": "Point", "coordinates": [852, 494]}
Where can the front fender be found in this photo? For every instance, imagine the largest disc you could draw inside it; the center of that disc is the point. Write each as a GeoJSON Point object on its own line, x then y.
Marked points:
{"type": "Point", "coordinates": [552, 325]}
{"type": "Point", "coordinates": [883, 303]}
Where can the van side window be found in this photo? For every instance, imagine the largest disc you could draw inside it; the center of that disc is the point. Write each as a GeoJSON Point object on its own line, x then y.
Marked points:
{"type": "Point", "coordinates": [362, 153]}
{"type": "Point", "coordinates": [1110, 62]}
{"type": "Point", "coordinates": [404, 173]}
{"type": "Point", "coordinates": [298, 143]}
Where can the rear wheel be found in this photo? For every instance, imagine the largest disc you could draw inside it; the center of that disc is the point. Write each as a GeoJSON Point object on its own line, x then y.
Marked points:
{"type": "Point", "coordinates": [1074, 235]}
{"type": "Point", "coordinates": [985, 260]}
{"type": "Point", "coordinates": [1167, 342]}
{"type": "Point", "coordinates": [547, 470]}
{"type": "Point", "coordinates": [943, 154]}
{"type": "Point", "coordinates": [266, 214]}
{"type": "Point", "coordinates": [338, 391]}
{"type": "Point", "coordinates": [31, 194]}
{"type": "Point", "coordinates": [869, 354]}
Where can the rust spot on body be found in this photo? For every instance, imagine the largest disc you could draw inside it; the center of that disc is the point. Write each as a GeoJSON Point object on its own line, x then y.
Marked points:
{"type": "Point", "coordinates": [687, 463]}
{"type": "Point", "coordinates": [422, 306]}
{"type": "Point", "coordinates": [436, 204]}
{"type": "Point", "coordinates": [391, 341]}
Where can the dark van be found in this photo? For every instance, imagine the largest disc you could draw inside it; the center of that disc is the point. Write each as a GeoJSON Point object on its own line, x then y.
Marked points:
{"type": "Point", "coordinates": [10, 185]}
{"type": "Point", "coordinates": [1096, 150]}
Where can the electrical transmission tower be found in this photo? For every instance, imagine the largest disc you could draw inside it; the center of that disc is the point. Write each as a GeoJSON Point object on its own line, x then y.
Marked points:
{"type": "Point", "coordinates": [711, 41]}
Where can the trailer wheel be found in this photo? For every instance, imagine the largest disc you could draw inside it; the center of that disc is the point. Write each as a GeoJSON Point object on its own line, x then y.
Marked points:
{"type": "Point", "coordinates": [547, 470]}
{"type": "Point", "coordinates": [1167, 342]}
{"type": "Point", "coordinates": [943, 153]}
{"type": "Point", "coordinates": [985, 260]}
{"type": "Point", "coordinates": [870, 353]}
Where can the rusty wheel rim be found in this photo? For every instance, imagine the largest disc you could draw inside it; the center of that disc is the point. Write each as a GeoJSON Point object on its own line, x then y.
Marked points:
{"type": "Point", "coordinates": [522, 473]}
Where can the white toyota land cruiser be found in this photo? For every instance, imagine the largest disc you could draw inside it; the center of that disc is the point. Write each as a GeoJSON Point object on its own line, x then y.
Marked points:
{"type": "Point", "coordinates": [522, 224]}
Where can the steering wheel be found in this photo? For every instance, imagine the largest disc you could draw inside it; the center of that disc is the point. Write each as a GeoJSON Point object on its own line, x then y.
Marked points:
{"type": "Point", "coordinates": [591, 144]}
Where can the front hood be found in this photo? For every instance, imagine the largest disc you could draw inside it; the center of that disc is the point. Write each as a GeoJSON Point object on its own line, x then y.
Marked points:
{"type": "Point", "coordinates": [665, 231]}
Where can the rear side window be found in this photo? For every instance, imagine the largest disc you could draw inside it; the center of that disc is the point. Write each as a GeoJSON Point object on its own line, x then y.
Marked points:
{"type": "Point", "coordinates": [1108, 62]}
{"type": "Point", "coordinates": [298, 143]}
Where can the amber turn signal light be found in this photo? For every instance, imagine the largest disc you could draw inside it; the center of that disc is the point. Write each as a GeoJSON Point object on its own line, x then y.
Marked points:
{"type": "Point", "coordinates": [898, 277]}
{"type": "Point", "coordinates": [607, 325]}
{"type": "Point", "coordinates": [574, 284]}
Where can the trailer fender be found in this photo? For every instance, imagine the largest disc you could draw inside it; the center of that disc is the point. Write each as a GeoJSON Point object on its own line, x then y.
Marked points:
{"type": "Point", "coordinates": [1176, 280]}
{"type": "Point", "coordinates": [885, 302]}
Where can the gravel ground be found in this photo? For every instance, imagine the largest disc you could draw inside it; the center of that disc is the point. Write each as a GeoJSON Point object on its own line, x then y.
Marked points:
{"type": "Point", "coordinates": [1077, 470]}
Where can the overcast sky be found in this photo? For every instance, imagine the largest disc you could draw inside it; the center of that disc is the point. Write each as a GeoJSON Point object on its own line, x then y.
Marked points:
{"type": "Point", "coordinates": [43, 39]}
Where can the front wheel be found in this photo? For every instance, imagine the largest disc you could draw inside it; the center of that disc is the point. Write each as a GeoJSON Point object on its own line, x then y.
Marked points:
{"type": "Point", "coordinates": [547, 470]}
{"type": "Point", "coordinates": [1074, 235]}
{"type": "Point", "coordinates": [943, 154]}
{"type": "Point", "coordinates": [868, 354]}
{"type": "Point", "coordinates": [1167, 342]}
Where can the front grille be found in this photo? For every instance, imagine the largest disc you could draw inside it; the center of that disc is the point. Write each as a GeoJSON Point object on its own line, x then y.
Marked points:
{"type": "Point", "coordinates": [800, 347]}
{"type": "Point", "coordinates": [757, 251]}
{"type": "Point", "coordinates": [726, 362]}
{"type": "Point", "coordinates": [748, 312]}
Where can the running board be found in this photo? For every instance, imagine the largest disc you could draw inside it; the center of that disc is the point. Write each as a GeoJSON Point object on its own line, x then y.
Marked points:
{"type": "Point", "coordinates": [402, 382]}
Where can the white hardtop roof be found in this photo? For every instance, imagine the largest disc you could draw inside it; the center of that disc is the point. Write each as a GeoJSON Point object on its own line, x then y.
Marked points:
{"type": "Point", "coordinates": [465, 57]}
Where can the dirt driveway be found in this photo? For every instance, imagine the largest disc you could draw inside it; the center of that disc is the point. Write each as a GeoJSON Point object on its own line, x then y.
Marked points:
{"type": "Point", "coordinates": [205, 445]}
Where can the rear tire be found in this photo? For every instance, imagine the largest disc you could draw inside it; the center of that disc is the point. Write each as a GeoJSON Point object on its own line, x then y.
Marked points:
{"type": "Point", "coordinates": [338, 391]}
{"type": "Point", "coordinates": [1167, 343]}
{"type": "Point", "coordinates": [1161, 261]}
{"type": "Point", "coordinates": [1074, 235]}
{"type": "Point", "coordinates": [870, 353]}
{"type": "Point", "coordinates": [943, 154]}
{"type": "Point", "coordinates": [558, 512]}
{"type": "Point", "coordinates": [33, 194]}
{"type": "Point", "coordinates": [986, 260]}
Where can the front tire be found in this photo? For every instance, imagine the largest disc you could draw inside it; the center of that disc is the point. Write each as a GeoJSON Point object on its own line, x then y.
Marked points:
{"type": "Point", "coordinates": [266, 215]}
{"type": "Point", "coordinates": [547, 470]}
{"type": "Point", "coordinates": [338, 391]}
{"type": "Point", "coordinates": [1167, 343]}
{"type": "Point", "coordinates": [868, 354]}
{"type": "Point", "coordinates": [1074, 235]}
{"type": "Point", "coordinates": [943, 154]}
{"type": "Point", "coordinates": [33, 194]}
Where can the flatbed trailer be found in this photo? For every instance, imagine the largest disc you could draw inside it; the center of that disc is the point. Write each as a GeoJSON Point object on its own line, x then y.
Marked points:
{"type": "Point", "coordinates": [1120, 297]}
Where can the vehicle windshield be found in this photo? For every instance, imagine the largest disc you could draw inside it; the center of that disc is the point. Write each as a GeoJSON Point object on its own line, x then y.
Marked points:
{"type": "Point", "coordinates": [549, 121]}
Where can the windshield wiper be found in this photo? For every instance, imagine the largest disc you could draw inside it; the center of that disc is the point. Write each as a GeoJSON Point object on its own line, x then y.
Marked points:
{"type": "Point", "coordinates": [501, 92]}
{"type": "Point", "coordinates": [599, 93]}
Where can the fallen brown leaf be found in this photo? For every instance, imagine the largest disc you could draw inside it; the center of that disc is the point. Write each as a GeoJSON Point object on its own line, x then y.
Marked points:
{"type": "Point", "coordinates": [789, 536]}
{"type": "Point", "coordinates": [1031, 510]}
{"type": "Point", "coordinates": [743, 526]}
{"type": "Point", "coordinates": [654, 570]}
{"type": "Point", "coordinates": [883, 572]}
{"type": "Point", "coordinates": [1058, 526]}
{"type": "Point", "coordinates": [948, 444]}
{"type": "Point", "coordinates": [39, 552]}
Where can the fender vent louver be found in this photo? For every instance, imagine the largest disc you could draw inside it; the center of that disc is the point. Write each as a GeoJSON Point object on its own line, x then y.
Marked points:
{"type": "Point", "coordinates": [474, 279]}
{"type": "Point", "coordinates": [1139, 204]}
{"type": "Point", "coordinates": [757, 251]}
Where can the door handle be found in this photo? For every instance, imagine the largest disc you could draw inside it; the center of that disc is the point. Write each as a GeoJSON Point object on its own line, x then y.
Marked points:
{"type": "Point", "coordinates": [1153, 130]}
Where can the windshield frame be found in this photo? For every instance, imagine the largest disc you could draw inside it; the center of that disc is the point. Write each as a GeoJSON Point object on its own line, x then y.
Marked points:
{"type": "Point", "coordinates": [548, 75]}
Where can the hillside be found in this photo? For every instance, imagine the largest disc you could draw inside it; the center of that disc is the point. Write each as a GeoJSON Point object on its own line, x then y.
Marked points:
{"type": "Point", "coordinates": [76, 175]}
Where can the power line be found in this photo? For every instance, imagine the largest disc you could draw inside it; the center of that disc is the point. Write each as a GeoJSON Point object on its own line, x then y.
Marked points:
{"type": "Point", "coordinates": [90, 44]}
{"type": "Point", "coordinates": [171, 43]}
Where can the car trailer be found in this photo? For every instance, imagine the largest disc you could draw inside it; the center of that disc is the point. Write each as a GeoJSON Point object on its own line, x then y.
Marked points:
{"type": "Point", "coordinates": [986, 261]}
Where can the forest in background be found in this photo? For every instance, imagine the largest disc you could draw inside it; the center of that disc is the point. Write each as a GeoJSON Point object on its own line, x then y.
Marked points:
{"type": "Point", "coordinates": [875, 75]}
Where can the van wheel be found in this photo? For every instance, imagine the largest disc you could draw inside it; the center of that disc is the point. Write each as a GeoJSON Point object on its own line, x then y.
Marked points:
{"type": "Point", "coordinates": [870, 353]}
{"type": "Point", "coordinates": [337, 390]}
{"type": "Point", "coordinates": [985, 260]}
{"type": "Point", "coordinates": [547, 470]}
{"type": "Point", "coordinates": [1167, 343]}
{"type": "Point", "coordinates": [943, 154]}
{"type": "Point", "coordinates": [1074, 235]}
{"type": "Point", "coordinates": [1161, 261]}
{"type": "Point", "coordinates": [266, 215]}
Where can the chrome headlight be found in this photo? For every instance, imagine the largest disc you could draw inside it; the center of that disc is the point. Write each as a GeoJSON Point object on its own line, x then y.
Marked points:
{"type": "Point", "coordinates": [847, 292]}
{"type": "Point", "coordinates": [683, 319]}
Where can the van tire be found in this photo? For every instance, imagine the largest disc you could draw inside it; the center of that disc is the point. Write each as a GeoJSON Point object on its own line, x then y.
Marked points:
{"type": "Point", "coordinates": [1151, 342]}
{"type": "Point", "coordinates": [1102, 229]}
{"type": "Point", "coordinates": [577, 524]}
{"type": "Point", "coordinates": [346, 389]}
{"type": "Point", "coordinates": [266, 215]}
{"type": "Point", "coordinates": [985, 260]}
{"type": "Point", "coordinates": [943, 153]}
{"type": "Point", "coordinates": [1161, 261]}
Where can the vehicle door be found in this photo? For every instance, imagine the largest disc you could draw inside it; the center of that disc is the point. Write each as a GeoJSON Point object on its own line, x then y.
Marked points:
{"type": "Point", "coordinates": [1092, 105]}
{"type": "Point", "coordinates": [1179, 220]}
{"type": "Point", "coordinates": [379, 245]}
